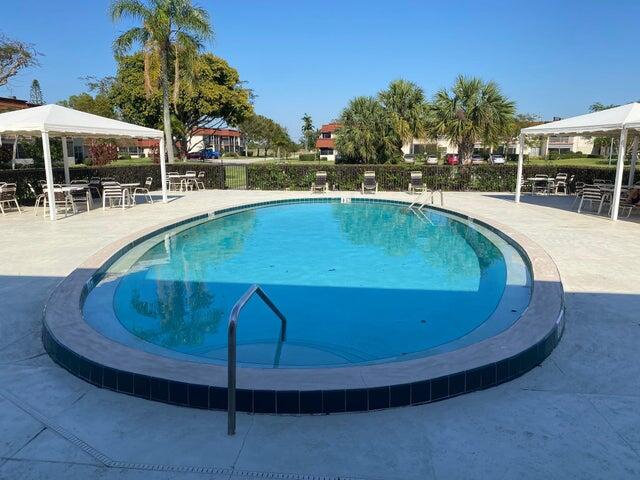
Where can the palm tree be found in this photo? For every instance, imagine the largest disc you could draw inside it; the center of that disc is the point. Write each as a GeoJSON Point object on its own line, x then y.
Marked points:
{"type": "Point", "coordinates": [472, 111]}
{"type": "Point", "coordinates": [367, 134]}
{"type": "Point", "coordinates": [405, 102]}
{"type": "Point", "coordinates": [168, 27]}
{"type": "Point", "coordinates": [307, 130]}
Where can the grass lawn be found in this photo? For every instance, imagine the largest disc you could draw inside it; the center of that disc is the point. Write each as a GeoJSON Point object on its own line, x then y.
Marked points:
{"type": "Point", "coordinates": [572, 162]}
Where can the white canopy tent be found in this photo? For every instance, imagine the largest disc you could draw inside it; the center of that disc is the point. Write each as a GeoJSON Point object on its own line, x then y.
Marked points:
{"type": "Point", "coordinates": [54, 120]}
{"type": "Point", "coordinates": [614, 122]}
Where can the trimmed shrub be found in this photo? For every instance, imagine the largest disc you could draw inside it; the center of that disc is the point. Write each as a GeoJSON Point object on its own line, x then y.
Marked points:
{"type": "Point", "coordinates": [484, 178]}
{"type": "Point", "coordinates": [214, 175]}
{"type": "Point", "coordinates": [309, 157]}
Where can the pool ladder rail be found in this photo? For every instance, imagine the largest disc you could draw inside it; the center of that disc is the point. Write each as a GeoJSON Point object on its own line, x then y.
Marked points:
{"type": "Point", "coordinates": [426, 197]}
{"type": "Point", "coordinates": [231, 347]}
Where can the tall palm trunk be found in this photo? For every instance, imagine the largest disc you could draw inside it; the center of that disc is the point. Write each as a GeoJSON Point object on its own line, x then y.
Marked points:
{"type": "Point", "coordinates": [166, 112]}
{"type": "Point", "coordinates": [465, 151]}
{"type": "Point", "coordinates": [176, 80]}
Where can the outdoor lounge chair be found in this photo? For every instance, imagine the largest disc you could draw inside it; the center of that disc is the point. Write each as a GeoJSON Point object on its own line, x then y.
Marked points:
{"type": "Point", "coordinates": [114, 192]}
{"type": "Point", "coordinates": [320, 184]}
{"type": "Point", "coordinates": [416, 184]}
{"type": "Point", "coordinates": [8, 197]}
{"type": "Point", "coordinates": [144, 191]}
{"type": "Point", "coordinates": [591, 194]}
{"type": "Point", "coordinates": [369, 185]}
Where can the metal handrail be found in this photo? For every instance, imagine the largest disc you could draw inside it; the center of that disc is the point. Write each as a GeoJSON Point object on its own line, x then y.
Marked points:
{"type": "Point", "coordinates": [231, 347]}
{"type": "Point", "coordinates": [426, 197]}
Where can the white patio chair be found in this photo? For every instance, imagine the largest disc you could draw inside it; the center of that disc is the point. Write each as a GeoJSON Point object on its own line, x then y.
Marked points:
{"type": "Point", "coordinates": [61, 199]}
{"type": "Point", "coordinates": [39, 198]}
{"type": "Point", "coordinates": [591, 194]}
{"type": "Point", "coordinates": [144, 191]}
{"type": "Point", "coordinates": [200, 181]}
{"type": "Point", "coordinates": [114, 192]}
{"type": "Point", "coordinates": [8, 197]}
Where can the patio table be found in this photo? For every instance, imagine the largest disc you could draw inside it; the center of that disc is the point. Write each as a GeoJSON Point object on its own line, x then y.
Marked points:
{"type": "Point", "coordinates": [535, 180]}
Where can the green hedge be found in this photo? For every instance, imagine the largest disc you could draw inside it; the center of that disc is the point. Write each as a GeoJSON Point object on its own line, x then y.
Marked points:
{"type": "Point", "coordinates": [485, 178]}
{"type": "Point", "coordinates": [309, 157]}
{"type": "Point", "coordinates": [214, 175]}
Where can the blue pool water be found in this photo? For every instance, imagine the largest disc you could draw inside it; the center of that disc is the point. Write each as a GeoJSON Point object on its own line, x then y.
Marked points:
{"type": "Point", "coordinates": [358, 283]}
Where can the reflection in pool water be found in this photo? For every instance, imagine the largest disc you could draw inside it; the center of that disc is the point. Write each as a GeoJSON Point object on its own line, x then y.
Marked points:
{"type": "Point", "coordinates": [358, 283]}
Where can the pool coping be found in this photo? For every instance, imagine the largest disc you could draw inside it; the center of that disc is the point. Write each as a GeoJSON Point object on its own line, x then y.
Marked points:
{"type": "Point", "coordinates": [76, 346]}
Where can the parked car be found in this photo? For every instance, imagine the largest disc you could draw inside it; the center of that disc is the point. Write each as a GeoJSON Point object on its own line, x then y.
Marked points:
{"type": "Point", "coordinates": [477, 159]}
{"type": "Point", "coordinates": [432, 160]}
{"type": "Point", "coordinates": [452, 159]}
{"type": "Point", "coordinates": [204, 154]}
{"type": "Point", "coordinates": [409, 158]}
{"type": "Point", "coordinates": [497, 159]}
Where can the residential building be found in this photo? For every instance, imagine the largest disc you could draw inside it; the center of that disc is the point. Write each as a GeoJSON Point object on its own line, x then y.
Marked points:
{"type": "Point", "coordinates": [8, 104]}
{"type": "Point", "coordinates": [220, 139]}
{"type": "Point", "coordinates": [326, 141]}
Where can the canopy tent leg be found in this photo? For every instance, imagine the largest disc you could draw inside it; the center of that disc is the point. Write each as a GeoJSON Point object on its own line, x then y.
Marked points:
{"type": "Point", "coordinates": [615, 201]}
{"type": "Point", "coordinates": [520, 162]}
{"type": "Point", "coordinates": [14, 153]}
{"type": "Point", "coordinates": [65, 161]}
{"type": "Point", "coordinates": [48, 170]}
{"type": "Point", "coordinates": [163, 171]}
{"type": "Point", "coordinates": [634, 160]}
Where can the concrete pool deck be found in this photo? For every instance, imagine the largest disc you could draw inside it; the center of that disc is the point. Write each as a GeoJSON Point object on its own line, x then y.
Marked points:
{"type": "Point", "coordinates": [576, 416]}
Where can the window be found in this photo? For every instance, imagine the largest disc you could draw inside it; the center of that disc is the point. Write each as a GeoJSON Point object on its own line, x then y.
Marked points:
{"type": "Point", "coordinates": [326, 151]}
{"type": "Point", "coordinates": [326, 134]}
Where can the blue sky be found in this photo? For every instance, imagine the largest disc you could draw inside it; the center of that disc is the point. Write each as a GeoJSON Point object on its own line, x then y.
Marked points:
{"type": "Point", "coordinates": [554, 58]}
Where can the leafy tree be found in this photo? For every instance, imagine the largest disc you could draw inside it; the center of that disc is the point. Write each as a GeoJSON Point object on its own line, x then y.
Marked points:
{"type": "Point", "coordinates": [472, 111]}
{"type": "Point", "coordinates": [309, 133]}
{"type": "Point", "coordinates": [216, 97]}
{"type": "Point", "coordinates": [15, 56]}
{"type": "Point", "coordinates": [99, 104]}
{"type": "Point", "coordinates": [35, 96]}
{"type": "Point", "coordinates": [406, 105]}
{"type": "Point", "coordinates": [262, 132]}
{"type": "Point", "coordinates": [167, 27]}
{"type": "Point", "coordinates": [518, 122]}
{"type": "Point", "coordinates": [367, 133]}
{"type": "Point", "coordinates": [601, 142]}
{"type": "Point", "coordinates": [598, 106]}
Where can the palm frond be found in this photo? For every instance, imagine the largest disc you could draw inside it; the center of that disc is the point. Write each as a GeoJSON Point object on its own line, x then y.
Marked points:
{"type": "Point", "coordinates": [123, 43]}
{"type": "Point", "coordinates": [134, 9]}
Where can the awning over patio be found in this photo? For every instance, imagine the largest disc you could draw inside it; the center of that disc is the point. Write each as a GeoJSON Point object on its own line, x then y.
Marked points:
{"type": "Point", "coordinates": [55, 120]}
{"type": "Point", "coordinates": [616, 121]}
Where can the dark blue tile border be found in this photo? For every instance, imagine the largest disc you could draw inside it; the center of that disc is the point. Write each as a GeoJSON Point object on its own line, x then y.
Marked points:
{"type": "Point", "coordinates": [302, 402]}
{"type": "Point", "coordinates": [295, 402]}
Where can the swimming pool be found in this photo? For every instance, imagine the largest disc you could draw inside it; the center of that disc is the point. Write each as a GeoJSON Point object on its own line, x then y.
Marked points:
{"type": "Point", "coordinates": [385, 307]}
{"type": "Point", "coordinates": [358, 282]}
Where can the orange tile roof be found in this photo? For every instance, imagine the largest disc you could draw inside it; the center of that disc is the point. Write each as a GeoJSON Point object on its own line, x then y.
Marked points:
{"type": "Point", "coordinates": [330, 127]}
{"type": "Point", "coordinates": [220, 132]}
{"type": "Point", "coordinates": [325, 143]}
